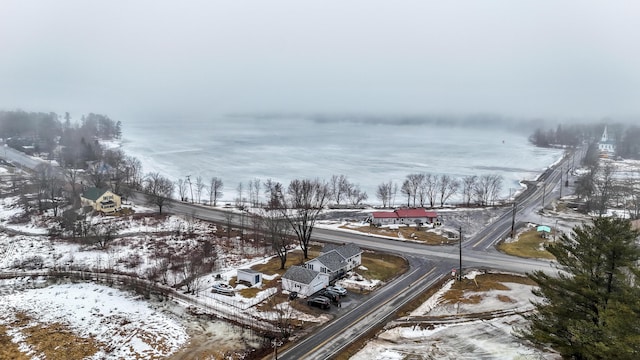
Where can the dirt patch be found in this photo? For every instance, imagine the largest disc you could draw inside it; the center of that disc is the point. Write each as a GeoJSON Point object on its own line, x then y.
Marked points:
{"type": "Point", "coordinates": [383, 267]}
{"type": "Point", "coordinates": [481, 283]}
{"type": "Point", "coordinates": [505, 299]}
{"type": "Point", "coordinates": [529, 244]}
{"type": "Point", "coordinates": [9, 349]}
{"type": "Point", "coordinates": [56, 341]}
{"type": "Point", "coordinates": [52, 341]}
{"type": "Point", "coordinates": [423, 235]}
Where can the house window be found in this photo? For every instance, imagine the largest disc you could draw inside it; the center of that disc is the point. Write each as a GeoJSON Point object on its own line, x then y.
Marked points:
{"type": "Point", "coordinates": [310, 266]}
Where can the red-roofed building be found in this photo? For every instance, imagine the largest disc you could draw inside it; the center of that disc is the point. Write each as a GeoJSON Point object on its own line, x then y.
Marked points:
{"type": "Point", "coordinates": [404, 216]}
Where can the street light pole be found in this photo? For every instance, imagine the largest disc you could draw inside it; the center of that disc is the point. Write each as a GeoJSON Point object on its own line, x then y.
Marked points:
{"type": "Point", "coordinates": [460, 250]}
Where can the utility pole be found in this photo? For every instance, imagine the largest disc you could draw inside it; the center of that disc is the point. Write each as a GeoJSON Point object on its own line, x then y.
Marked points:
{"type": "Point", "coordinates": [189, 180]}
{"type": "Point", "coordinates": [513, 222]}
{"type": "Point", "coordinates": [561, 170]}
{"type": "Point", "coordinates": [544, 190]}
{"type": "Point", "coordinates": [460, 250]}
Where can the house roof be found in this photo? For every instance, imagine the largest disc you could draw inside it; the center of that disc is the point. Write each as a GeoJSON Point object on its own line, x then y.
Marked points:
{"type": "Point", "coordinates": [348, 250]}
{"type": "Point", "coordinates": [300, 274]}
{"type": "Point", "coordinates": [384, 215]}
{"type": "Point", "coordinates": [249, 271]}
{"type": "Point", "coordinates": [332, 260]}
{"type": "Point", "coordinates": [93, 193]}
{"type": "Point", "coordinates": [328, 247]}
{"type": "Point", "coordinates": [405, 213]}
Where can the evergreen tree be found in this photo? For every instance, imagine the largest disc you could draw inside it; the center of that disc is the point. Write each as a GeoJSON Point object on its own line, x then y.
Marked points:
{"type": "Point", "coordinates": [591, 308]}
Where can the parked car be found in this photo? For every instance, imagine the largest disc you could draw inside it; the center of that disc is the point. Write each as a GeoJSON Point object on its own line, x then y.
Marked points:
{"type": "Point", "coordinates": [293, 295]}
{"type": "Point", "coordinates": [222, 288]}
{"type": "Point", "coordinates": [331, 295]}
{"type": "Point", "coordinates": [338, 289]}
{"type": "Point", "coordinates": [319, 301]}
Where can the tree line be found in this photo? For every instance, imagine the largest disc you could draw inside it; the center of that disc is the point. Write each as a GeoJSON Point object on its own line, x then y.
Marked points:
{"type": "Point", "coordinates": [626, 137]}
{"type": "Point", "coordinates": [601, 188]}
{"type": "Point", "coordinates": [58, 137]}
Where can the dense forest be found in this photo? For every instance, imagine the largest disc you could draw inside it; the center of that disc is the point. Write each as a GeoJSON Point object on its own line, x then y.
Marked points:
{"type": "Point", "coordinates": [58, 138]}
{"type": "Point", "coordinates": [627, 138]}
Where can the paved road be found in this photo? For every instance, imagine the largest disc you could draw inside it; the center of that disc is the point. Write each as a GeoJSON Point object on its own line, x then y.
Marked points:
{"type": "Point", "coordinates": [428, 264]}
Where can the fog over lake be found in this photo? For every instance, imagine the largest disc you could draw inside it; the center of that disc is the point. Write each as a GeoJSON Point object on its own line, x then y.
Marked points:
{"type": "Point", "coordinates": [241, 148]}
{"type": "Point", "coordinates": [171, 71]}
{"type": "Point", "coordinates": [158, 58]}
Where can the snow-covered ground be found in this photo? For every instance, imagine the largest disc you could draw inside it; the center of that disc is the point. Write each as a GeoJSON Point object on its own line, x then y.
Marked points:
{"type": "Point", "coordinates": [93, 310]}
{"type": "Point", "coordinates": [450, 333]}
{"type": "Point", "coordinates": [124, 326]}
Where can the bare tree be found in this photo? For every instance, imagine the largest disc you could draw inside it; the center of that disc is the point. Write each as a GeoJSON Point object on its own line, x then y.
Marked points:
{"type": "Point", "coordinates": [338, 186]}
{"type": "Point", "coordinates": [72, 174]}
{"type": "Point", "coordinates": [133, 172]}
{"type": "Point", "coordinates": [431, 189]}
{"type": "Point", "coordinates": [384, 193]}
{"type": "Point", "coordinates": [468, 188]}
{"type": "Point", "coordinates": [98, 175]}
{"type": "Point", "coordinates": [277, 233]}
{"type": "Point", "coordinates": [604, 185]}
{"type": "Point", "coordinates": [115, 159]}
{"type": "Point", "coordinates": [215, 190]}
{"type": "Point", "coordinates": [487, 188]}
{"type": "Point", "coordinates": [254, 192]}
{"type": "Point", "coordinates": [49, 186]}
{"type": "Point", "coordinates": [158, 189]}
{"type": "Point", "coordinates": [407, 190]}
{"type": "Point", "coordinates": [447, 186]}
{"type": "Point", "coordinates": [284, 316]}
{"type": "Point", "coordinates": [416, 182]}
{"type": "Point", "coordinates": [355, 195]}
{"type": "Point", "coordinates": [305, 200]}
{"type": "Point", "coordinates": [495, 187]}
{"type": "Point", "coordinates": [240, 198]}
{"type": "Point", "coordinates": [102, 234]}
{"type": "Point", "coordinates": [199, 188]}
{"type": "Point", "coordinates": [182, 189]}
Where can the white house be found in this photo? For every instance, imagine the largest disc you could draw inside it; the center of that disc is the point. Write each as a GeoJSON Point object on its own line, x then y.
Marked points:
{"type": "Point", "coordinates": [304, 281]}
{"type": "Point", "coordinates": [249, 276]}
{"type": "Point", "coordinates": [336, 260]}
{"type": "Point", "coordinates": [316, 274]}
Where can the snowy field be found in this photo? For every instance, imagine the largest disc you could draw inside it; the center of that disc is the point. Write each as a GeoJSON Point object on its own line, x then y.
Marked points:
{"type": "Point", "coordinates": [442, 330]}
{"type": "Point", "coordinates": [122, 325]}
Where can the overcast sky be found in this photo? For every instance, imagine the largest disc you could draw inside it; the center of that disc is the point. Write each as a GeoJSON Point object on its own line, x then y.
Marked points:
{"type": "Point", "coordinates": [139, 58]}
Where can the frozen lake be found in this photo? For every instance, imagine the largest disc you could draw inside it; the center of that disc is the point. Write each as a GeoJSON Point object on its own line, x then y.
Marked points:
{"type": "Point", "coordinates": [238, 149]}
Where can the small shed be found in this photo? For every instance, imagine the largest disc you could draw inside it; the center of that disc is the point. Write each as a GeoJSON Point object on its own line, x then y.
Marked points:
{"type": "Point", "coordinates": [250, 276]}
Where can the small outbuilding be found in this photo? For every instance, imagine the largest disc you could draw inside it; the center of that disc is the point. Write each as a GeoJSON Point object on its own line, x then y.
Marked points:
{"type": "Point", "coordinates": [249, 276]}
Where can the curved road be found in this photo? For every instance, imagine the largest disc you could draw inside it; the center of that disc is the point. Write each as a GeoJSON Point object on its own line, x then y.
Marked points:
{"type": "Point", "coordinates": [428, 264]}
